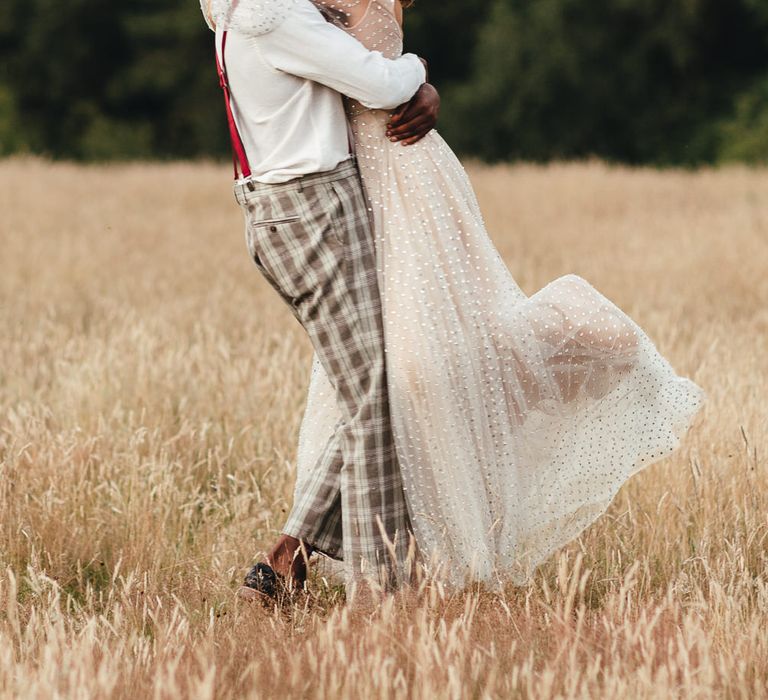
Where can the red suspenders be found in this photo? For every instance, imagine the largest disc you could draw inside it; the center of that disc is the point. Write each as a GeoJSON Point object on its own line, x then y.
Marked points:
{"type": "Point", "coordinates": [239, 157]}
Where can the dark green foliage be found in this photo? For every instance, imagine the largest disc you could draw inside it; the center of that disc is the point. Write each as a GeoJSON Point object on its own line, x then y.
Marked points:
{"type": "Point", "coordinates": [641, 81]}
{"type": "Point", "coordinates": [744, 136]}
{"type": "Point", "coordinates": [98, 80]}
{"type": "Point", "coordinates": [630, 80]}
{"type": "Point", "coordinates": [446, 34]}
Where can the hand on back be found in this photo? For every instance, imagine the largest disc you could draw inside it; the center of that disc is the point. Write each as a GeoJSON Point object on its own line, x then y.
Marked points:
{"type": "Point", "coordinates": [413, 120]}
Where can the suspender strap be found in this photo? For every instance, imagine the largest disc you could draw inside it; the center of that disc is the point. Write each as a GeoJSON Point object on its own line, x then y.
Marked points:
{"type": "Point", "coordinates": [239, 157]}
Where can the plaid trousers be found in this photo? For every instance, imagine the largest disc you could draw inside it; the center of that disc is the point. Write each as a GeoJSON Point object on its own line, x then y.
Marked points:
{"type": "Point", "coordinates": [311, 238]}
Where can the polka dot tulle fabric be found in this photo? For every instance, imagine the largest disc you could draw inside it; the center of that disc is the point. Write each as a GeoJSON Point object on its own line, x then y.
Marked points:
{"type": "Point", "coordinates": [516, 418]}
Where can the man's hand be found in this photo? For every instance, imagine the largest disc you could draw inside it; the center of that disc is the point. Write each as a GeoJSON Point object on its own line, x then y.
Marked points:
{"type": "Point", "coordinates": [412, 121]}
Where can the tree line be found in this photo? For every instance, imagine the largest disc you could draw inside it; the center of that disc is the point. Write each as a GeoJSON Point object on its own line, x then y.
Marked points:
{"type": "Point", "coordinates": [665, 82]}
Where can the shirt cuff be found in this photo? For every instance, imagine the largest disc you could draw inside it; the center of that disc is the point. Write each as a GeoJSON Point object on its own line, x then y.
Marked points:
{"type": "Point", "coordinates": [419, 71]}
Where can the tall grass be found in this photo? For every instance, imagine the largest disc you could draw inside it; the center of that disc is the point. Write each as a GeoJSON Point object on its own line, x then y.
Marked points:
{"type": "Point", "coordinates": [151, 388]}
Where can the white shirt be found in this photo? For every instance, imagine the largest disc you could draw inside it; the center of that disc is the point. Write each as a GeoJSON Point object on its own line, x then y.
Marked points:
{"type": "Point", "coordinates": [286, 86]}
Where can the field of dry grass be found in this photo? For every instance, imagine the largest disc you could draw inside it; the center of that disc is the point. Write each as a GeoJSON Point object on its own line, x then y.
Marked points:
{"type": "Point", "coordinates": [151, 388]}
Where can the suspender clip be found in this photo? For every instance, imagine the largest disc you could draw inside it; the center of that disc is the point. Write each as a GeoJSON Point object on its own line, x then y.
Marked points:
{"type": "Point", "coordinates": [239, 156]}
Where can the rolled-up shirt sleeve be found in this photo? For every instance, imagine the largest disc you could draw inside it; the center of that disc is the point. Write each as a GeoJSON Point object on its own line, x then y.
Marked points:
{"type": "Point", "coordinates": [307, 46]}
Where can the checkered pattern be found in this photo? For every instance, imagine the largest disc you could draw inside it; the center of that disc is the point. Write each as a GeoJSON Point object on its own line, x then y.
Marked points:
{"type": "Point", "coordinates": [311, 238]}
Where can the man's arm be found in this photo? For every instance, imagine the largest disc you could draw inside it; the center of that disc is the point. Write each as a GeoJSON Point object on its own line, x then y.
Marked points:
{"type": "Point", "coordinates": [307, 46]}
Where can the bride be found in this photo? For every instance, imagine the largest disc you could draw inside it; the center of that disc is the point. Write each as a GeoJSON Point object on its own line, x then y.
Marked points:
{"type": "Point", "coordinates": [516, 419]}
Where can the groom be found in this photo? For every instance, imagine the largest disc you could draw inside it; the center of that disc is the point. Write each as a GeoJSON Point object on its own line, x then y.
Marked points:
{"type": "Point", "coordinates": [309, 233]}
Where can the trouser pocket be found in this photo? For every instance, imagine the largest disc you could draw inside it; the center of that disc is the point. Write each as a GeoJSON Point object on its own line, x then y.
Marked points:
{"type": "Point", "coordinates": [302, 256]}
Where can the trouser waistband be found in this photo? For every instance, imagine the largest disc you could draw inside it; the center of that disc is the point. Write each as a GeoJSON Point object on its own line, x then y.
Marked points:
{"type": "Point", "coordinates": [248, 189]}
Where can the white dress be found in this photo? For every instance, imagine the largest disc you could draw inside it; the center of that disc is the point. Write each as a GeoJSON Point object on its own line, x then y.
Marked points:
{"type": "Point", "coordinates": [516, 419]}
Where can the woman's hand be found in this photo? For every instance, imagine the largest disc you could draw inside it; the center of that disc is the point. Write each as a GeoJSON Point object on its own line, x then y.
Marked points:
{"type": "Point", "coordinates": [412, 121]}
